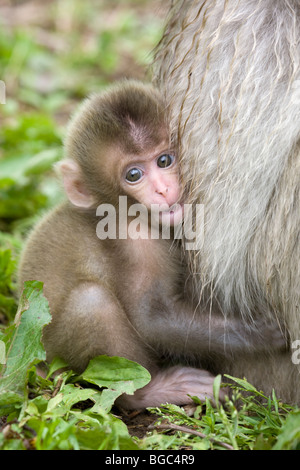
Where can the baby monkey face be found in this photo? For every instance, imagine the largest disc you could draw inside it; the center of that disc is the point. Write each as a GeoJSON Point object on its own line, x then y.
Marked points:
{"type": "Point", "coordinates": [152, 179]}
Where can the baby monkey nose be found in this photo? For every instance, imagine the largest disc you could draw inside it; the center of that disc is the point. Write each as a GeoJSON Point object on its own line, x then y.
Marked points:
{"type": "Point", "coordinates": [162, 191]}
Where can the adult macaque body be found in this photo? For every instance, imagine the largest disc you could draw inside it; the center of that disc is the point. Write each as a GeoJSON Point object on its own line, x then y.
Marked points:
{"type": "Point", "coordinates": [125, 296]}
{"type": "Point", "coordinates": [230, 73]}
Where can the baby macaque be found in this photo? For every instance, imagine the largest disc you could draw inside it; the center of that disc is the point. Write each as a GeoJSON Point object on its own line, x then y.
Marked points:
{"type": "Point", "coordinates": [123, 295]}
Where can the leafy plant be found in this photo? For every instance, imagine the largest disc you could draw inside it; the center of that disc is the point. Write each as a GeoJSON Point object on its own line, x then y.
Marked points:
{"type": "Point", "coordinates": [244, 422]}
{"type": "Point", "coordinates": [50, 416]}
{"type": "Point", "coordinates": [65, 412]}
{"type": "Point", "coordinates": [23, 345]}
{"type": "Point", "coordinates": [49, 63]}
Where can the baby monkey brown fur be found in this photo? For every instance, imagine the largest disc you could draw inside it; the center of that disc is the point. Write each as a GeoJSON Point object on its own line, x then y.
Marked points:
{"type": "Point", "coordinates": [124, 296]}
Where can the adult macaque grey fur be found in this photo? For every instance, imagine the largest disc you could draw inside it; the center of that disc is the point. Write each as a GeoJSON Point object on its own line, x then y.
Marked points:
{"type": "Point", "coordinates": [124, 297]}
{"type": "Point", "coordinates": [230, 72]}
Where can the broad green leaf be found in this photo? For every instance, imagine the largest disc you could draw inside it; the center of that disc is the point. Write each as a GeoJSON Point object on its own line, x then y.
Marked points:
{"type": "Point", "coordinates": [24, 347]}
{"type": "Point", "coordinates": [289, 438]}
{"type": "Point", "coordinates": [105, 400]}
{"type": "Point", "coordinates": [117, 374]}
{"type": "Point", "coordinates": [103, 432]}
{"type": "Point", "coordinates": [55, 365]}
{"type": "Point", "coordinates": [68, 397]}
{"type": "Point", "coordinates": [9, 401]}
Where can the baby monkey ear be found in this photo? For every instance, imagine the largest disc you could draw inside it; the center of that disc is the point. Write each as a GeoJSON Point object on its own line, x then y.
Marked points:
{"type": "Point", "coordinates": [74, 186]}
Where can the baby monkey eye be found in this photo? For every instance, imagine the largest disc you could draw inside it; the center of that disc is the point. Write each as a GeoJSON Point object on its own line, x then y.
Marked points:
{"type": "Point", "coordinates": [165, 160]}
{"type": "Point", "coordinates": [133, 175]}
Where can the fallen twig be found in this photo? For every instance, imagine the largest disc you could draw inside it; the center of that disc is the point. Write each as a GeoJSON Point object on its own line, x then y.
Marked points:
{"type": "Point", "coordinates": [176, 427]}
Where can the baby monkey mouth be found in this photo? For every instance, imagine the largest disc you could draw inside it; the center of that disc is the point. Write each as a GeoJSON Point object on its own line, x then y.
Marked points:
{"type": "Point", "coordinates": [171, 215]}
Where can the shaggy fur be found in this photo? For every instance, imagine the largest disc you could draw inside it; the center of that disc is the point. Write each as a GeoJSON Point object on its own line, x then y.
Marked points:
{"type": "Point", "coordinates": [230, 71]}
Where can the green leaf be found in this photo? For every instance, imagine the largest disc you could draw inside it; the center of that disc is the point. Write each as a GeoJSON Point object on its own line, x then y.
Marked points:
{"type": "Point", "coordinates": [24, 347]}
{"type": "Point", "coordinates": [105, 401]}
{"type": "Point", "coordinates": [62, 403]}
{"type": "Point", "coordinates": [216, 388]}
{"type": "Point", "coordinates": [56, 364]}
{"type": "Point", "coordinates": [117, 374]}
{"type": "Point", "coordinates": [289, 437]}
{"type": "Point", "coordinates": [245, 385]}
{"type": "Point", "coordinates": [103, 432]}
